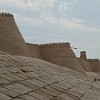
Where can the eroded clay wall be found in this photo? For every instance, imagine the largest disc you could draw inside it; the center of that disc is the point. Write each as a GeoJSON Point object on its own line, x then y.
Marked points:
{"type": "Point", "coordinates": [34, 50]}
{"type": "Point", "coordinates": [61, 54]}
{"type": "Point", "coordinates": [95, 64]}
{"type": "Point", "coordinates": [11, 40]}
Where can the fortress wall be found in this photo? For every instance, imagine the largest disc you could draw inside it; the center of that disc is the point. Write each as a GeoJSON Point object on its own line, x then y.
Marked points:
{"type": "Point", "coordinates": [61, 54]}
{"type": "Point", "coordinates": [11, 40]}
{"type": "Point", "coordinates": [95, 64]}
{"type": "Point", "coordinates": [34, 50]}
{"type": "Point", "coordinates": [84, 63]}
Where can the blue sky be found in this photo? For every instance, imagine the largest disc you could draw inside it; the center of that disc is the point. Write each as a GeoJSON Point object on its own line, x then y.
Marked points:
{"type": "Point", "coordinates": [45, 21]}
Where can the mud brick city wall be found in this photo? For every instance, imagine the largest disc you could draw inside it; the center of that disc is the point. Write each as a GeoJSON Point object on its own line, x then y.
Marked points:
{"type": "Point", "coordinates": [11, 41]}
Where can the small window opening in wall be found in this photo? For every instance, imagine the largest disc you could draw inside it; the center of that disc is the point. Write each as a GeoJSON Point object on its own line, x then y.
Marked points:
{"type": "Point", "coordinates": [0, 20]}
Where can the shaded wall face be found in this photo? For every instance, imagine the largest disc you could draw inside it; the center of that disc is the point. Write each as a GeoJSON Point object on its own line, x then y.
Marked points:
{"type": "Point", "coordinates": [95, 65]}
{"type": "Point", "coordinates": [11, 40]}
{"type": "Point", "coordinates": [35, 51]}
{"type": "Point", "coordinates": [61, 55]}
{"type": "Point", "coordinates": [84, 63]}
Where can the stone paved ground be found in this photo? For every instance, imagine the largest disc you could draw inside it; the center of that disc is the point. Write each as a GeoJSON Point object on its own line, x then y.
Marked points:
{"type": "Point", "coordinates": [23, 78]}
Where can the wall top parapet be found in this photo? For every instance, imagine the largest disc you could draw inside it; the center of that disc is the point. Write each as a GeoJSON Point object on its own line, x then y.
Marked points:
{"type": "Point", "coordinates": [4, 14]}
{"type": "Point", "coordinates": [51, 44]}
{"type": "Point", "coordinates": [83, 52]}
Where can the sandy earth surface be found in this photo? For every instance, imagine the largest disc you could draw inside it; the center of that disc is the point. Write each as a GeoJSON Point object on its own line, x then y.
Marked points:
{"type": "Point", "coordinates": [24, 78]}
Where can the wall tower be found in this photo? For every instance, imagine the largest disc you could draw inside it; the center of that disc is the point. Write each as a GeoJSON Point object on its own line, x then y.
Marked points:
{"type": "Point", "coordinates": [11, 40]}
{"type": "Point", "coordinates": [83, 55]}
{"type": "Point", "coordinates": [83, 61]}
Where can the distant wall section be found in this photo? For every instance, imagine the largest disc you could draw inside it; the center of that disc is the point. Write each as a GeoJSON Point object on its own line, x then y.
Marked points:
{"type": "Point", "coordinates": [61, 54]}
{"type": "Point", "coordinates": [57, 53]}
{"type": "Point", "coordinates": [95, 64]}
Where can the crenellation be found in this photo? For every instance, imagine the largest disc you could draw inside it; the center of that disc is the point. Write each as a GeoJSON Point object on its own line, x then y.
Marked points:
{"type": "Point", "coordinates": [59, 44]}
{"type": "Point", "coordinates": [4, 14]}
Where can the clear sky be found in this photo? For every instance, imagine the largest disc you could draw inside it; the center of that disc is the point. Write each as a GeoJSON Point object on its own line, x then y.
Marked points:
{"type": "Point", "coordinates": [46, 21]}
